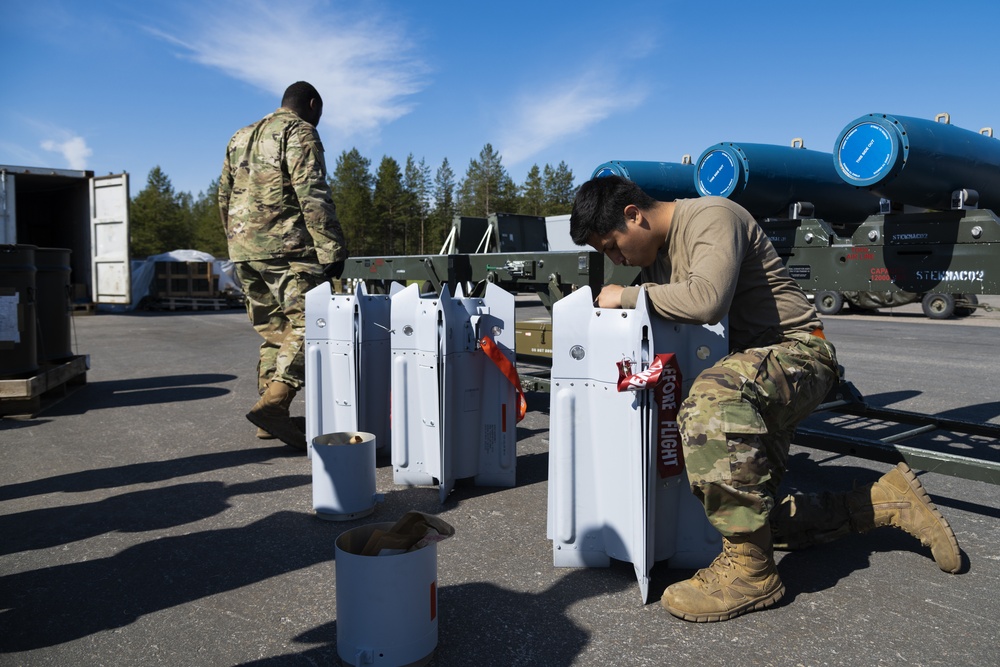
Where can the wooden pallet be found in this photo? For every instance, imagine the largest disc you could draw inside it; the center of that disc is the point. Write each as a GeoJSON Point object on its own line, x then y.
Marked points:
{"type": "Point", "coordinates": [184, 279]}
{"type": "Point", "coordinates": [84, 308]}
{"type": "Point", "coordinates": [26, 397]}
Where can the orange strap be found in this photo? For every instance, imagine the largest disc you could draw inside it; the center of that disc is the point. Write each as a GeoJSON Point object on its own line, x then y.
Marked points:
{"type": "Point", "coordinates": [507, 368]}
{"type": "Point", "coordinates": [818, 333]}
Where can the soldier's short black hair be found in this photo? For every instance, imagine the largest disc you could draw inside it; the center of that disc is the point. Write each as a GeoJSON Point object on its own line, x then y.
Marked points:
{"type": "Point", "coordinates": [599, 207]}
{"type": "Point", "coordinates": [297, 97]}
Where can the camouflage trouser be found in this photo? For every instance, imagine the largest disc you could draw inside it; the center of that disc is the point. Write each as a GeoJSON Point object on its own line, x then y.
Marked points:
{"type": "Point", "coordinates": [275, 292]}
{"type": "Point", "coordinates": [737, 423]}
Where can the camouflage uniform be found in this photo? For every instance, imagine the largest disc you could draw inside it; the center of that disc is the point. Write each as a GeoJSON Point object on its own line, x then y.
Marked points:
{"type": "Point", "coordinates": [275, 293]}
{"type": "Point", "coordinates": [737, 424]}
{"type": "Point", "coordinates": [282, 228]}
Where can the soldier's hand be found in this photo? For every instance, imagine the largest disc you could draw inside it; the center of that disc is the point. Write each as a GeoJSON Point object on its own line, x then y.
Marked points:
{"type": "Point", "coordinates": [610, 297]}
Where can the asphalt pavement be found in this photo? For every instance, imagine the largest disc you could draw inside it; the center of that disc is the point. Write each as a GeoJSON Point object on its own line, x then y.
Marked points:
{"type": "Point", "coordinates": [142, 523]}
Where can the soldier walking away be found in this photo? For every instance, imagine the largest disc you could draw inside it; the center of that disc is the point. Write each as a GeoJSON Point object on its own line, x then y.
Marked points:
{"type": "Point", "coordinates": [284, 239]}
{"type": "Point", "coordinates": [704, 260]}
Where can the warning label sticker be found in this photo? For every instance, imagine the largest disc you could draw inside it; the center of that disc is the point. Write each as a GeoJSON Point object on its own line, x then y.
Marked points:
{"type": "Point", "coordinates": [9, 329]}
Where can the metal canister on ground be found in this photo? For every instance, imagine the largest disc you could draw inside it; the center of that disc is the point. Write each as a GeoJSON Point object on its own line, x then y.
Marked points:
{"type": "Point", "coordinates": [54, 288]}
{"type": "Point", "coordinates": [343, 475]}
{"type": "Point", "coordinates": [386, 604]}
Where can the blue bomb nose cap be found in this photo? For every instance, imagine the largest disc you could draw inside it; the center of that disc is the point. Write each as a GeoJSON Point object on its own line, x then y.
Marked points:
{"type": "Point", "coordinates": [866, 153]}
{"type": "Point", "coordinates": [717, 174]}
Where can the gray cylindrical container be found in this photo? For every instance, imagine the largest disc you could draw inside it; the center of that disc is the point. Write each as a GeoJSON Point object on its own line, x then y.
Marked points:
{"type": "Point", "coordinates": [766, 180]}
{"type": "Point", "coordinates": [54, 299]}
{"type": "Point", "coordinates": [917, 161]}
{"type": "Point", "coordinates": [665, 181]}
{"type": "Point", "coordinates": [18, 342]}
{"type": "Point", "coordinates": [343, 475]}
{"type": "Point", "coordinates": [386, 605]}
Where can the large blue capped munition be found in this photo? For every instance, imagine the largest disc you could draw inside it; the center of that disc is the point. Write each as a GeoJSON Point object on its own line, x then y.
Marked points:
{"type": "Point", "coordinates": [917, 161]}
{"type": "Point", "coordinates": [766, 180]}
{"type": "Point", "coordinates": [665, 181]}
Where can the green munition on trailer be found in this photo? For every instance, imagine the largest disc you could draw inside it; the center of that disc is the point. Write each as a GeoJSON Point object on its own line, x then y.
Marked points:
{"type": "Point", "coordinates": [891, 218]}
{"type": "Point", "coordinates": [903, 211]}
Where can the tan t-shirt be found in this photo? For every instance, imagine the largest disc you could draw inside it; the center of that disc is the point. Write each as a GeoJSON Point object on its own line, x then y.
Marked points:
{"type": "Point", "coordinates": [717, 261]}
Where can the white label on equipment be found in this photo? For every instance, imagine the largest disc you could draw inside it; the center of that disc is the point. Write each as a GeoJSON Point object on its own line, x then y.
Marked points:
{"type": "Point", "coordinates": [9, 330]}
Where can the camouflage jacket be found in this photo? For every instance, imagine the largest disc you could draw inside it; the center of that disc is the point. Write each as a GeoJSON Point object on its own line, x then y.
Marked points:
{"type": "Point", "coordinates": [274, 198]}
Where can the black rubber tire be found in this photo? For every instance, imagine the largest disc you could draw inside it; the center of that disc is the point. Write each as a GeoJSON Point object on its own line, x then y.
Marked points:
{"type": "Point", "coordinates": [939, 306]}
{"type": "Point", "coordinates": [828, 303]}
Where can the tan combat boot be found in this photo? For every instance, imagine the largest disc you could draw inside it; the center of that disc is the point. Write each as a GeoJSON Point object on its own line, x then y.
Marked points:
{"type": "Point", "coordinates": [898, 499]}
{"type": "Point", "coordinates": [261, 388]}
{"type": "Point", "coordinates": [270, 413]}
{"type": "Point", "coordinates": [742, 578]}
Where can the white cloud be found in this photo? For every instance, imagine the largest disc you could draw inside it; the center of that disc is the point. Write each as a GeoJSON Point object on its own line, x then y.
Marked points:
{"type": "Point", "coordinates": [74, 150]}
{"type": "Point", "coordinates": [551, 114]}
{"type": "Point", "coordinates": [361, 64]}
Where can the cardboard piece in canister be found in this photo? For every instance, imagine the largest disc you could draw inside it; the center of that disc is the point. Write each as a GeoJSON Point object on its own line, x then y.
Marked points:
{"type": "Point", "coordinates": [386, 605]}
{"type": "Point", "coordinates": [343, 475]}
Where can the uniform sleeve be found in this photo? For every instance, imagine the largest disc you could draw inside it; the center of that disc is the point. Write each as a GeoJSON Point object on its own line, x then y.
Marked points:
{"type": "Point", "coordinates": [225, 191]}
{"type": "Point", "coordinates": [307, 172]}
{"type": "Point", "coordinates": [715, 243]}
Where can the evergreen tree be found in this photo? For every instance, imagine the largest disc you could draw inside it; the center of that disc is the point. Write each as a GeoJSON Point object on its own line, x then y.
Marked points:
{"type": "Point", "coordinates": [444, 206]}
{"type": "Point", "coordinates": [186, 203]}
{"type": "Point", "coordinates": [389, 203]}
{"type": "Point", "coordinates": [417, 184]}
{"type": "Point", "coordinates": [532, 200]}
{"type": "Point", "coordinates": [352, 195]}
{"type": "Point", "coordinates": [559, 190]}
{"type": "Point", "coordinates": [160, 219]}
{"type": "Point", "coordinates": [487, 188]}
{"type": "Point", "coordinates": [209, 236]}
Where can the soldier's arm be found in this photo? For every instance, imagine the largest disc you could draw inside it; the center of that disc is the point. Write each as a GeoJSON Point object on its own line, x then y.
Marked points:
{"type": "Point", "coordinates": [225, 191]}
{"type": "Point", "coordinates": [715, 247]}
{"type": "Point", "coordinates": [307, 171]}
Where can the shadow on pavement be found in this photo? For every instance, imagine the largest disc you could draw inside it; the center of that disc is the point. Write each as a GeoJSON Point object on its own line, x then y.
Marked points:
{"type": "Point", "coordinates": [509, 627]}
{"type": "Point", "coordinates": [141, 391]}
{"type": "Point", "coordinates": [143, 473]}
{"type": "Point", "coordinates": [54, 605]}
{"type": "Point", "coordinates": [135, 512]}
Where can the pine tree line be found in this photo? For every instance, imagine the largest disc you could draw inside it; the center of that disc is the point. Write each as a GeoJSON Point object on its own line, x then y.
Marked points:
{"type": "Point", "coordinates": [393, 211]}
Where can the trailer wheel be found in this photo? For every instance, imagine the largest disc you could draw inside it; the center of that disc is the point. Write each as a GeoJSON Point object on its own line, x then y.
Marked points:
{"type": "Point", "coordinates": [939, 306]}
{"type": "Point", "coordinates": [965, 311]}
{"type": "Point", "coordinates": [829, 303]}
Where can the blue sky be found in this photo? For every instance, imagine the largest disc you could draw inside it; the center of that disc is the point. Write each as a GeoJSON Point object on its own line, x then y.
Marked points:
{"type": "Point", "coordinates": [125, 86]}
